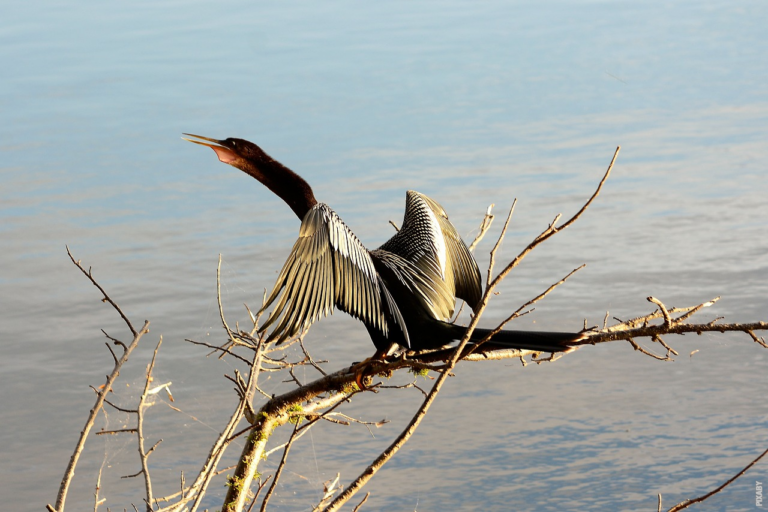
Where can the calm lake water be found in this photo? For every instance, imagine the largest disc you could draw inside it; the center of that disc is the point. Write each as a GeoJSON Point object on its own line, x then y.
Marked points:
{"type": "Point", "coordinates": [471, 104]}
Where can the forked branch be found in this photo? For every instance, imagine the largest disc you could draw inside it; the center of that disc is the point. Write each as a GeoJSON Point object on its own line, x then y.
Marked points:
{"type": "Point", "coordinates": [101, 394]}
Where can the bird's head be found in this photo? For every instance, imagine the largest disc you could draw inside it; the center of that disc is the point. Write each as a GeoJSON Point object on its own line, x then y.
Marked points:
{"type": "Point", "coordinates": [251, 159]}
{"type": "Point", "coordinates": [235, 152]}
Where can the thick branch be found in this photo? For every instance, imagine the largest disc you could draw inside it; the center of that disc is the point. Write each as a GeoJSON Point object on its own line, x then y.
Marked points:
{"type": "Point", "coordinates": [273, 414]}
{"type": "Point", "coordinates": [657, 330]}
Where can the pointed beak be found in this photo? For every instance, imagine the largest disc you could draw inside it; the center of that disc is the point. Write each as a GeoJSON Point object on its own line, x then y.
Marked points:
{"type": "Point", "coordinates": [225, 154]}
{"type": "Point", "coordinates": [215, 141]}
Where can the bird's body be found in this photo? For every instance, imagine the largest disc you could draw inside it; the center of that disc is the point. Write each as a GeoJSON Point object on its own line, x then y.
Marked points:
{"type": "Point", "coordinates": [403, 292]}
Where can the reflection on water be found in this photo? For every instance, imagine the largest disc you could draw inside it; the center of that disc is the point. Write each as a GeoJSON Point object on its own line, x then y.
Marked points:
{"type": "Point", "coordinates": [469, 105]}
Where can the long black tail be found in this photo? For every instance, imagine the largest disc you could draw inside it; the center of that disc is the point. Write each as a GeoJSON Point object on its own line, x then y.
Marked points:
{"type": "Point", "coordinates": [436, 334]}
{"type": "Point", "coordinates": [529, 340]}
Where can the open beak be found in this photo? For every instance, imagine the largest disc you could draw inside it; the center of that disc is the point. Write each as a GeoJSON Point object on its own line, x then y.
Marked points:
{"type": "Point", "coordinates": [225, 154]}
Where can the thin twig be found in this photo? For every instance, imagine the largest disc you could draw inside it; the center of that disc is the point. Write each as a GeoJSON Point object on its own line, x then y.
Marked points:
{"type": "Point", "coordinates": [551, 229]}
{"type": "Point", "coordinates": [258, 491]}
{"type": "Point", "coordinates": [96, 500]}
{"type": "Point", "coordinates": [663, 309]}
{"type": "Point", "coordinates": [221, 308]}
{"type": "Point", "coordinates": [216, 347]}
{"type": "Point", "coordinates": [661, 342]}
{"type": "Point", "coordinates": [694, 310]}
{"type": "Point", "coordinates": [106, 297]}
{"type": "Point", "coordinates": [458, 313]}
{"type": "Point", "coordinates": [114, 357]}
{"type": "Point", "coordinates": [406, 386]}
{"type": "Point", "coordinates": [127, 411]}
{"type": "Point", "coordinates": [144, 456]}
{"type": "Point", "coordinates": [118, 431]}
{"type": "Point", "coordinates": [357, 508]}
{"type": "Point", "coordinates": [643, 320]}
{"type": "Point", "coordinates": [759, 341]}
{"type": "Point", "coordinates": [258, 315]}
{"type": "Point", "coordinates": [279, 469]}
{"type": "Point", "coordinates": [485, 225]}
{"type": "Point", "coordinates": [519, 312]}
{"type": "Point", "coordinates": [688, 503]}
{"type": "Point", "coordinates": [641, 349]}
{"type": "Point", "coordinates": [329, 487]}
{"type": "Point", "coordinates": [498, 243]}
{"type": "Point", "coordinates": [309, 357]}
{"type": "Point", "coordinates": [591, 199]}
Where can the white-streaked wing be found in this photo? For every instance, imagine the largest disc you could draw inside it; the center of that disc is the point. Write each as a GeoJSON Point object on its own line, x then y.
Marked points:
{"type": "Point", "coordinates": [466, 275]}
{"type": "Point", "coordinates": [429, 240]}
{"type": "Point", "coordinates": [327, 266]}
{"type": "Point", "coordinates": [431, 292]}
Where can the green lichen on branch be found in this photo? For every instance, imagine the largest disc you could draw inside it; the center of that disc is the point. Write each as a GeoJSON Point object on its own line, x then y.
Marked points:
{"type": "Point", "coordinates": [235, 483]}
{"type": "Point", "coordinates": [295, 416]}
{"type": "Point", "coordinates": [348, 388]}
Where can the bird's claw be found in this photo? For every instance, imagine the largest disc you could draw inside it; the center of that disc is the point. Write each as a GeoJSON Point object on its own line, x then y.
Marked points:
{"type": "Point", "coordinates": [360, 370]}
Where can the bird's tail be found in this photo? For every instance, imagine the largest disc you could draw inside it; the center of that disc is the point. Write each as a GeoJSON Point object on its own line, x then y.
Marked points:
{"type": "Point", "coordinates": [529, 340]}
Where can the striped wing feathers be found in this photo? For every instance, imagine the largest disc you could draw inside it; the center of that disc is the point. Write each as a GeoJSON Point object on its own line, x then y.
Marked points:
{"type": "Point", "coordinates": [432, 293]}
{"type": "Point", "coordinates": [429, 240]}
{"type": "Point", "coordinates": [466, 275]}
{"type": "Point", "coordinates": [327, 266]}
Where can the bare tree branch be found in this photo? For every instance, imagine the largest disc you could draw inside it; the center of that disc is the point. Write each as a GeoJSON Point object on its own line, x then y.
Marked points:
{"type": "Point", "coordinates": [216, 347]}
{"type": "Point", "coordinates": [498, 243]}
{"type": "Point", "coordinates": [106, 297]}
{"type": "Point", "coordinates": [144, 455]}
{"type": "Point", "coordinates": [101, 396]}
{"type": "Point", "coordinates": [359, 505]}
{"type": "Point", "coordinates": [232, 339]}
{"type": "Point", "coordinates": [485, 225]}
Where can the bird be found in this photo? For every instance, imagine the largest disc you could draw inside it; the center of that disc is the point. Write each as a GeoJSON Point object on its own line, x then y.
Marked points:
{"type": "Point", "coordinates": [403, 292]}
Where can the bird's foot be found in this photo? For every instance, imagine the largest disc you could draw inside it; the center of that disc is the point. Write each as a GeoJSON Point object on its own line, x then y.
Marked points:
{"type": "Point", "coordinates": [362, 370]}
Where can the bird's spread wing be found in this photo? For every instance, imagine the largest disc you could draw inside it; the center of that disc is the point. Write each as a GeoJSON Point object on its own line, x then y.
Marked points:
{"type": "Point", "coordinates": [421, 288]}
{"type": "Point", "coordinates": [328, 266]}
{"type": "Point", "coordinates": [429, 240]}
{"type": "Point", "coordinates": [466, 275]}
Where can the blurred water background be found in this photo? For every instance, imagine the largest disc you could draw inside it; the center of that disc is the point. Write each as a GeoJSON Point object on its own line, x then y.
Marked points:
{"type": "Point", "coordinates": [470, 103]}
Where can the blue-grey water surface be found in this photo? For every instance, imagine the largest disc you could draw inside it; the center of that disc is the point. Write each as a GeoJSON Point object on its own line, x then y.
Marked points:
{"type": "Point", "coordinates": [470, 103]}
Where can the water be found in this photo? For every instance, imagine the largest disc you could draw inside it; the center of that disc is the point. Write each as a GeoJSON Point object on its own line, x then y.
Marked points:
{"type": "Point", "coordinates": [470, 104]}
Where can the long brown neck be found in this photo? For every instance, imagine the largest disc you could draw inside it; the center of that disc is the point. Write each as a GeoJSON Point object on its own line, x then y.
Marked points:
{"type": "Point", "coordinates": [285, 183]}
